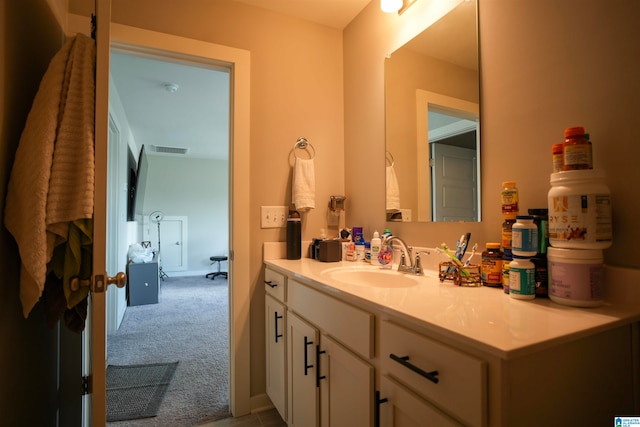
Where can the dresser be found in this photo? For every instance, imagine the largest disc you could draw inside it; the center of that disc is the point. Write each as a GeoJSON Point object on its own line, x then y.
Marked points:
{"type": "Point", "coordinates": [143, 282]}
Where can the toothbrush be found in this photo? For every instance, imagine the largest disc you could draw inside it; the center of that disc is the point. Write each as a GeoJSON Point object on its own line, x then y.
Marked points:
{"type": "Point", "coordinates": [455, 260]}
{"type": "Point", "coordinates": [465, 243]}
{"type": "Point", "coordinates": [473, 252]}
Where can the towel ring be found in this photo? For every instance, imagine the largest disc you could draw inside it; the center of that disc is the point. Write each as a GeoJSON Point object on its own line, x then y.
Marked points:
{"type": "Point", "coordinates": [389, 158]}
{"type": "Point", "coordinates": [303, 144]}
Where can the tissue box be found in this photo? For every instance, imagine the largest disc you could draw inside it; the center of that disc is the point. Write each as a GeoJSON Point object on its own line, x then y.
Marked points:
{"type": "Point", "coordinates": [328, 250]}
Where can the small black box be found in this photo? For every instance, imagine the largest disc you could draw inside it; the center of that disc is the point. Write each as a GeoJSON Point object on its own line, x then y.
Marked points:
{"type": "Point", "coordinates": [328, 250]}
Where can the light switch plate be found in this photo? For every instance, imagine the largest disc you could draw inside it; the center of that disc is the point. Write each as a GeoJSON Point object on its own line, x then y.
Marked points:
{"type": "Point", "coordinates": [273, 216]}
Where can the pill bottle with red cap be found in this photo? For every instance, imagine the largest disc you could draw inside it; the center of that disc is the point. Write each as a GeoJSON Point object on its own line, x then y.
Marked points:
{"type": "Point", "coordinates": [576, 149]}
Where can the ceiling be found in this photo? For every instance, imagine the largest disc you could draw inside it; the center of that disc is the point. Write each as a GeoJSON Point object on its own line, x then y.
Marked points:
{"type": "Point", "coordinates": [195, 117]}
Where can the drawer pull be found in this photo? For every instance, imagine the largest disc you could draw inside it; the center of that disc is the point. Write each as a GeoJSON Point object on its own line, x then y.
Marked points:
{"type": "Point", "coordinates": [318, 377]}
{"type": "Point", "coordinates": [404, 361]}
{"type": "Point", "coordinates": [276, 325]}
{"type": "Point", "coordinates": [307, 343]}
{"type": "Point", "coordinates": [270, 284]}
{"type": "Point", "coordinates": [376, 414]}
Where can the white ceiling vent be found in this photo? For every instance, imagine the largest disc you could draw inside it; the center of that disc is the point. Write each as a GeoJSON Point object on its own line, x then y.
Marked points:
{"type": "Point", "coordinates": [170, 150]}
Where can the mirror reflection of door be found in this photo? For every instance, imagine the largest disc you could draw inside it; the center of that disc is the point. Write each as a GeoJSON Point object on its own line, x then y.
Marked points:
{"type": "Point", "coordinates": [448, 141]}
{"type": "Point", "coordinates": [454, 177]}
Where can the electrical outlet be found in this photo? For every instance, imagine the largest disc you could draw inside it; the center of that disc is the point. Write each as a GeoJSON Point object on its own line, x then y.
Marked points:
{"type": "Point", "coordinates": [273, 216]}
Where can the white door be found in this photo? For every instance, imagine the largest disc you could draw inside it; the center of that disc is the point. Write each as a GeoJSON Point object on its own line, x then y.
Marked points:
{"type": "Point", "coordinates": [239, 280]}
{"type": "Point", "coordinates": [346, 397]}
{"type": "Point", "coordinates": [455, 181]}
{"type": "Point", "coordinates": [276, 349]}
{"type": "Point", "coordinates": [96, 412]}
{"type": "Point", "coordinates": [172, 241]}
{"type": "Point", "coordinates": [303, 399]}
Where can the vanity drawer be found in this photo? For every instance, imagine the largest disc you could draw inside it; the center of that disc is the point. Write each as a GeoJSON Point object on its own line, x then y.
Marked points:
{"type": "Point", "coordinates": [349, 325]}
{"type": "Point", "coordinates": [275, 284]}
{"type": "Point", "coordinates": [461, 388]}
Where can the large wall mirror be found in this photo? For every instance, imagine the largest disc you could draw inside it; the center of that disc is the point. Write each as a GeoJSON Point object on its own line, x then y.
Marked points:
{"type": "Point", "coordinates": [432, 95]}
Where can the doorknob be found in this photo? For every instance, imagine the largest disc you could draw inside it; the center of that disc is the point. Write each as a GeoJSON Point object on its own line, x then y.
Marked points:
{"type": "Point", "coordinates": [120, 280]}
{"type": "Point", "coordinates": [178, 243]}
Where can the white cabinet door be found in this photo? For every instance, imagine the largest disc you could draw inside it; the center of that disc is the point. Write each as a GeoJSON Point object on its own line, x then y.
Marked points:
{"type": "Point", "coordinates": [347, 387]}
{"type": "Point", "coordinates": [302, 341]}
{"type": "Point", "coordinates": [400, 407]}
{"type": "Point", "coordinates": [275, 353]}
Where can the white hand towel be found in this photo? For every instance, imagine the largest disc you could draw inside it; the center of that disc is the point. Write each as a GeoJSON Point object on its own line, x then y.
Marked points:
{"type": "Point", "coordinates": [393, 190]}
{"type": "Point", "coordinates": [304, 185]}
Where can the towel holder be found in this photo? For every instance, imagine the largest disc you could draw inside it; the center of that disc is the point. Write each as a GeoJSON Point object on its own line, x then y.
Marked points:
{"type": "Point", "coordinates": [303, 144]}
{"type": "Point", "coordinates": [389, 158]}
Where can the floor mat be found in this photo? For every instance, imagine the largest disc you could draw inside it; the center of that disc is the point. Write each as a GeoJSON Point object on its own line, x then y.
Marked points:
{"type": "Point", "coordinates": [137, 391]}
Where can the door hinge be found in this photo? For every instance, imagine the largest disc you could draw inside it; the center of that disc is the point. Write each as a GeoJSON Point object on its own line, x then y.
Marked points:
{"type": "Point", "coordinates": [87, 385]}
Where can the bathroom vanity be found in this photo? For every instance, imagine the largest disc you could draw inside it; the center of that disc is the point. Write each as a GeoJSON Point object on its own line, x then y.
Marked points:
{"type": "Point", "coordinates": [398, 350]}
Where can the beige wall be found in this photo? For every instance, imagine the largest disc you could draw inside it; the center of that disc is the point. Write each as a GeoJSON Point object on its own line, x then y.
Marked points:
{"type": "Point", "coordinates": [546, 65]}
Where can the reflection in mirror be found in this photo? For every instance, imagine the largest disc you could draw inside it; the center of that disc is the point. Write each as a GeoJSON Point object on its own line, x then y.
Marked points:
{"type": "Point", "coordinates": [432, 117]}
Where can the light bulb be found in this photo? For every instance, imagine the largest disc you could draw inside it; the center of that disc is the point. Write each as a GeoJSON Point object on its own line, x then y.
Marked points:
{"type": "Point", "coordinates": [390, 6]}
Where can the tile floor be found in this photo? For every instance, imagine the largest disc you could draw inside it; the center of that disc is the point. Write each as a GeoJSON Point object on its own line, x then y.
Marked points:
{"type": "Point", "coordinates": [269, 418]}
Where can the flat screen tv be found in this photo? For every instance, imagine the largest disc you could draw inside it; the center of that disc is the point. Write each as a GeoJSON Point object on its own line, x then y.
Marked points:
{"type": "Point", "coordinates": [137, 185]}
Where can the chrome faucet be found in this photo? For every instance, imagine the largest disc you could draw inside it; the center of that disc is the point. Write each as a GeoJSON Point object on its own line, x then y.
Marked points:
{"type": "Point", "coordinates": [413, 266]}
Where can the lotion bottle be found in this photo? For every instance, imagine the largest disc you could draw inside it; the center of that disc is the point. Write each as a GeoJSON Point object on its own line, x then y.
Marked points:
{"type": "Point", "coordinates": [375, 248]}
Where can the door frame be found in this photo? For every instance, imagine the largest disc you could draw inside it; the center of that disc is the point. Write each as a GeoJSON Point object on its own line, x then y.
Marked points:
{"type": "Point", "coordinates": [238, 62]}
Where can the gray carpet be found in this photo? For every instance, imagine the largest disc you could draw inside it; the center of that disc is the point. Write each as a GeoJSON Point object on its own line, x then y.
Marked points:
{"type": "Point", "coordinates": [189, 324]}
{"type": "Point", "coordinates": [136, 391]}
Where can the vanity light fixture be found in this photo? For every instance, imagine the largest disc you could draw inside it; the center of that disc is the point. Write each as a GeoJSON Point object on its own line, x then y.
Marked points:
{"type": "Point", "coordinates": [390, 6]}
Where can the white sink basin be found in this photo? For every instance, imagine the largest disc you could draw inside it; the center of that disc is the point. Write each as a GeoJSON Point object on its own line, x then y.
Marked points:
{"type": "Point", "coordinates": [372, 277]}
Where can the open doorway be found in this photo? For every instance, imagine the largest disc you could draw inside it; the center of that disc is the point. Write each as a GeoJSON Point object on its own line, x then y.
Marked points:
{"type": "Point", "coordinates": [186, 177]}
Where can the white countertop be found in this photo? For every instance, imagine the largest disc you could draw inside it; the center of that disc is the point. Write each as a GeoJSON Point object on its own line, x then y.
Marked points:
{"type": "Point", "coordinates": [483, 317]}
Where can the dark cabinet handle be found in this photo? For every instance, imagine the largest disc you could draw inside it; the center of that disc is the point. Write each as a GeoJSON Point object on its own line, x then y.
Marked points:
{"type": "Point", "coordinates": [307, 343]}
{"type": "Point", "coordinates": [276, 325]}
{"type": "Point", "coordinates": [270, 284]}
{"type": "Point", "coordinates": [376, 413]}
{"type": "Point", "coordinates": [318, 377]}
{"type": "Point", "coordinates": [404, 361]}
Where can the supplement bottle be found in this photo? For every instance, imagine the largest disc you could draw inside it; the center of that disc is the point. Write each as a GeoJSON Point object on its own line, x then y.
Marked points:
{"type": "Point", "coordinates": [576, 277]}
{"type": "Point", "coordinates": [557, 157]}
{"type": "Point", "coordinates": [541, 220]}
{"type": "Point", "coordinates": [509, 200]}
{"type": "Point", "coordinates": [524, 236]}
{"type": "Point", "coordinates": [576, 150]}
{"type": "Point", "coordinates": [522, 283]}
{"type": "Point", "coordinates": [491, 272]}
{"type": "Point", "coordinates": [580, 210]}
{"type": "Point", "coordinates": [505, 274]}
{"type": "Point", "coordinates": [507, 232]}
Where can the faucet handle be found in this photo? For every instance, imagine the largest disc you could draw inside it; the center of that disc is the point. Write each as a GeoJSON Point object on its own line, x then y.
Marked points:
{"type": "Point", "coordinates": [417, 264]}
